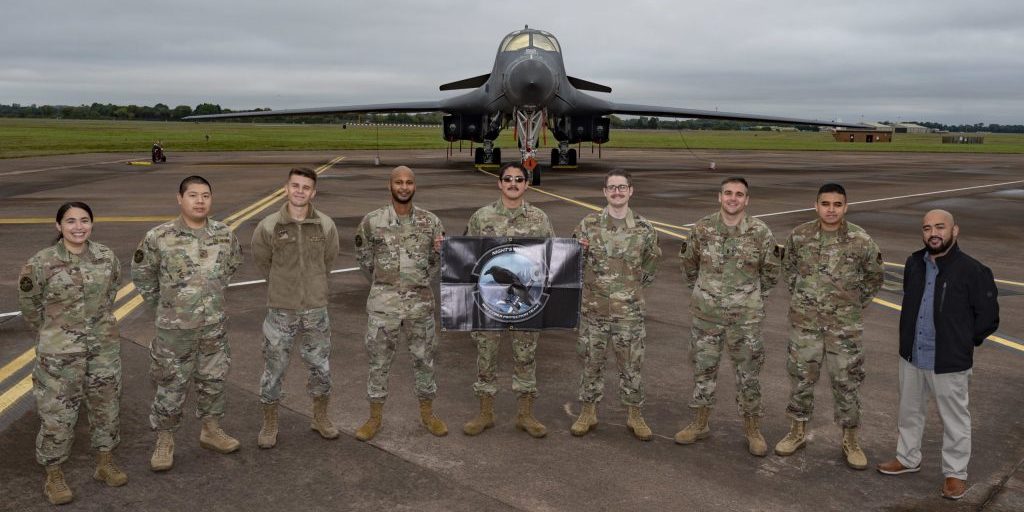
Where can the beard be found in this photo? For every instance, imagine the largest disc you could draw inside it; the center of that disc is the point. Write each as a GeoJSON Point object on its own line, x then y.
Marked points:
{"type": "Point", "coordinates": [946, 244]}
{"type": "Point", "coordinates": [398, 199]}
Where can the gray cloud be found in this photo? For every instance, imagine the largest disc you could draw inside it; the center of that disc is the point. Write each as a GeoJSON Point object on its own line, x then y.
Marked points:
{"type": "Point", "coordinates": [926, 60]}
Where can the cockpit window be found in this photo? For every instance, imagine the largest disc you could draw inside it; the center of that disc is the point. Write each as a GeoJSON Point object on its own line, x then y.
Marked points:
{"type": "Point", "coordinates": [545, 43]}
{"type": "Point", "coordinates": [516, 43]}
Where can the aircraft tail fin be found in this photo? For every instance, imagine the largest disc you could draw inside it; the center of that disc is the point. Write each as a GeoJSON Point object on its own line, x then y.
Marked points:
{"type": "Point", "coordinates": [466, 83]}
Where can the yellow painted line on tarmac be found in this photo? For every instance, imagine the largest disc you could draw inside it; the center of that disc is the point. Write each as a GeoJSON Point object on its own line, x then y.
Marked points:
{"type": "Point", "coordinates": [248, 212]}
{"type": "Point", "coordinates": [11, 396]}
{"type": "Point", "coordinates": [17, 364]}
{"type": "Point", "coordinates": [128, 307]}
{"type": "Point", "coordinates": [1000, 281]}
{"type": "Point", "coordinates": [125, 218]}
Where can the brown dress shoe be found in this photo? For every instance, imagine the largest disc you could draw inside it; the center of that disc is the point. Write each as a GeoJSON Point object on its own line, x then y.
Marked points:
{"type": "Point", "coordinates": [954, 488]}
{"type": "Point", "coordinates": [895, 467]}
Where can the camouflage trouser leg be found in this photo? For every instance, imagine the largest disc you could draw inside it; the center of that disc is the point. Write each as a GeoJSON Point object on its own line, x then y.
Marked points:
{"type": "Point", "coordinates": [627, 340]}
{"type": "Point", "coordinates": [382, 333]}
{"type": "Point", "coordinates": [524, 362]}
{"type": "Point", "coordinates": [486, 362]}
{"type": "Point", "coordinates": [840, 347]}
{"type": "Point", "coordinates": [746, 350]}
{"type": "Point", "coordinates": [60, 383]}
{"type": "Point", "coordinates": [422, 340]}
{"type": "Point", "coordinates": [280, 328]}
{"type": "Point", "coordinates": [181, 355]}
{"type": "Point", "coordinates": [524, 369]}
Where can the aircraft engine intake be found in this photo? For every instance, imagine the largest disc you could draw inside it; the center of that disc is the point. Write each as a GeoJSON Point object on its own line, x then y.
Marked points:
{"type": "Point", "coordinates": [574, 129]}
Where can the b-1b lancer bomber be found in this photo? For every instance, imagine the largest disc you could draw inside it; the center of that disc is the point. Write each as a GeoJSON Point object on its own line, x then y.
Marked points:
{"type": "Point", "coordinates": [528, 86]}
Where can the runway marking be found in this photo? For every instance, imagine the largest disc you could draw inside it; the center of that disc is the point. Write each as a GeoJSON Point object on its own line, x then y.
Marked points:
{"type": "Point", "coordinates": [17, 364]}
{"type": "Point", "coordinates": [899, 197]}
{"type": "Point", "coordinates": [233, 221]}
{"type": "Point", "coordinates": [998, 339]}
{"type": "Point", "coordinates": [30, 171]}
{"type": "Point", "coordinates": [49, 220]}
{"type": "Point", "coordinates": [11, 396]}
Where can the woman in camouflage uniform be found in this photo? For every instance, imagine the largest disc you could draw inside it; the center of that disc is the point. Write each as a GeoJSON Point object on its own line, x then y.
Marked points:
{"type": "Point", "coordinates": [67, 295]}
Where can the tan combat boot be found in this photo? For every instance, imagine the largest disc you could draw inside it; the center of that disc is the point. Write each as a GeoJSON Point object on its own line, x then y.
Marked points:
{"type": "Point", "coordinates": [107, 471]}
{"type": "Point", "coordinates": [482, 421]}
{"type": "Point", "coordinates": [635, 422]}
{"type": "Point", "coordinates": [525, 420]}
{"type": "Point", "coordinates": [586, 421]}
{"type": "Point", "coordinates": [756, 444]}
{"type": "Point", "coordinates": [855, 457]}
{"type": "Point", "coordinates": [268, 431]}
{"type": "Point", "coordinates": [793, 441]}
{"type": "Point", "coordinates": [321, 422]}
{"type": "Point", "coordinates": [433, 423]}
{"type": "Point", "coordinates": [697, 429]}
{"type": "Point", "coordinates": [373, 423]}
{"type": "Point", "coordinates": [212, 437]}
{"type": "Point", "coordinates": [56, 489]}
{"type": "Point", "coordinates": [163, 454]}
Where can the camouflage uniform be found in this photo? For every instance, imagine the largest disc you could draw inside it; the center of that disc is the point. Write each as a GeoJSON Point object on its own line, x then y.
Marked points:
{"type": "Point", "coordinates": [731, 269]}
{"type": "Point", "coordinates": [622, 259]}
{"type": "Point", "coordinates": [396, 254]}
{"type": "Point", "coordinates": [183, 273]}
{"type": "Point", "coordinates": [494, 220]}
{"type": "Point", "coordinates": [69, 300]}
{"type": "Point", "coordinates": [832, 277]}
{"type": "Point", "coordinates": [296, 258]}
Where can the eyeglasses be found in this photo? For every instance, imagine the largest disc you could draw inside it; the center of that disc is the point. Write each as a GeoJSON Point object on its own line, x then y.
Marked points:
{"type": "Point", "coordinates": [617, 188]}
{"type": "Point", "coordinates": [510, 179]}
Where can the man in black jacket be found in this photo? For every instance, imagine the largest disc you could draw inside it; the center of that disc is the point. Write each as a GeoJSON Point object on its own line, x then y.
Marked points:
{"type": "Point", "coordinates": [949, 307]}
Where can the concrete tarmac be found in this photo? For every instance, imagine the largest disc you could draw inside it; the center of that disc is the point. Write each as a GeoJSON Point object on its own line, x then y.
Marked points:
{"type": "Point", "coordinates": [405, 468]}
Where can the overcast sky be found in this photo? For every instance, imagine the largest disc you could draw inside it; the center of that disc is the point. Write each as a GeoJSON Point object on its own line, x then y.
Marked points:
{"type": "Point", "coordinates": [938, 60]}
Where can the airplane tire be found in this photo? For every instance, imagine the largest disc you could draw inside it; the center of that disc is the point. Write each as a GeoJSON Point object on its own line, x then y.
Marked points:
{"type": "Point", "coordinates": [554, 157]}
{"type": "Point", "coordinates": [535, 179]}
{"type": "Point", "coordinates": [478, 156]}
{"type": "Point", "coordinates": [496, 156]}
{"type": "Point", "coordinates": [571, 157]}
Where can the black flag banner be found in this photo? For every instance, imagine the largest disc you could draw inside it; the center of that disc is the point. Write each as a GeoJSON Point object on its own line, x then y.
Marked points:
{"type": "Point", "coordinates": [492, 283]}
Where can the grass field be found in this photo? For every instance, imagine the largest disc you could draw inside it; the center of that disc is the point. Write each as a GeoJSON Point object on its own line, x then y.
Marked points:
{"type": "Point", "coordinates": [33, 137]}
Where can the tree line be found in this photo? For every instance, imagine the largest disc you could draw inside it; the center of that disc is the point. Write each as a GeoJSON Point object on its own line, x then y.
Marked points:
{"type": "Point", "coordinates": [162, 112]}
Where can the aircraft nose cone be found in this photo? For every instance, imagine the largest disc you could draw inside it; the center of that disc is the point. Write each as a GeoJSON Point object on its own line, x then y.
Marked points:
{"type": "Point", "coordinates": [530, 82]}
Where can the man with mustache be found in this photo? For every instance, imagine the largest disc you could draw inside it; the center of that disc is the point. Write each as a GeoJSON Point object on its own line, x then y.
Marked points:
{"type": "Point", "coordinates": [509, 216]}
{"type": "Point", "coordinates": [949, 307]}
{"type": "Point", "coordinates": [620, 260]}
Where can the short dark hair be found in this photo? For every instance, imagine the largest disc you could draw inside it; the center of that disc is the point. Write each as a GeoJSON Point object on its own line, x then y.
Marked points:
{"type": "Point", "coordinates": [305, 172]}
{"type": "Point", "coordinates": [832, 188]}
{"type": "Point", "coordinates": [190, 180]}
{"type": "Point", "coordinates": [618, 171]}
{"type": "Point", "coordinates": [513, 165]}
{"type": "Point", "coordinates": [736, 179]}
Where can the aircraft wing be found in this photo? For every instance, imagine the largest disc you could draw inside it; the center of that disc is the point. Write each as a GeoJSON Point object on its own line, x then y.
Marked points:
{"type": "Point", "coordinates": [407, 107]}
{"type": "Point", "coordinates": [646, 110]}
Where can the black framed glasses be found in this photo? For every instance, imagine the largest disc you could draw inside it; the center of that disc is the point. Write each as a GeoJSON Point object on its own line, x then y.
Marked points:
{"type": "Point", "coordinates": [617, 188]}
{"type": "Point", "coordinates": [510, 179]}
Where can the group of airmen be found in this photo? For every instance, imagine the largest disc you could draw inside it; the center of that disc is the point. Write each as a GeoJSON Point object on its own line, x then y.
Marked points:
{"type": "Point", "coordinates": [731, 261]}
